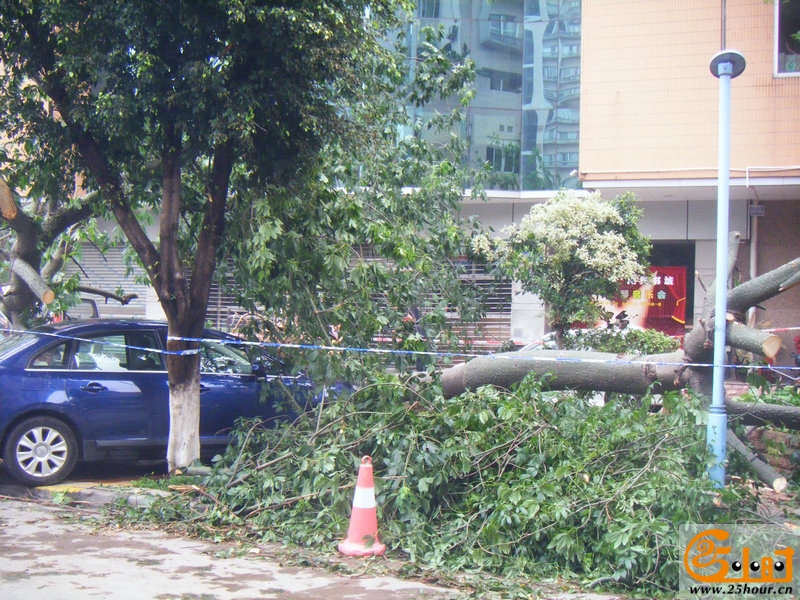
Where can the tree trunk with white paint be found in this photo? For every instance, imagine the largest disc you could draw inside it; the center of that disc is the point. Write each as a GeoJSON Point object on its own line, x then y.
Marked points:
{"type": "Point", "coordinates": [184, 417]}
{"type": "Point", "coordinates": [183, 447]}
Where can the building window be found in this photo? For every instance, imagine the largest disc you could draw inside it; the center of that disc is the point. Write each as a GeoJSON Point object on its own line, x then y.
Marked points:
{"type": "Point", "coordinates": [787, 36]}
{"type": "Point", "coordinates": [504, 29]}
{"type": "Point", "coordinates": [533, 8]}
{"type": "Point", "coordinates": [505, 82]}
{"type": "Point", "coordinates": [528, 74]}
{"type": "Point", "coordinates": [503, 159]}
{"type": "Point", "coordinates": [530, 126]}
{"type": "Point", "coordinates": [566, 159]}
{"type": "Point", "coordinates": [570, 73]}
{"type": "Point", "coordinates": [429, 9]}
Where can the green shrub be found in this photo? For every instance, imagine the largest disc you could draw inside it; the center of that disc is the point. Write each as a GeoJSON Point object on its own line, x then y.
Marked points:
{"type": "Point", "coordinates": [633, 341]}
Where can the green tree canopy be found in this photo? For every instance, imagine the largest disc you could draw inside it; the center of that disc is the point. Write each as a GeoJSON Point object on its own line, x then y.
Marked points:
{"type": "Point", "coordinates": [377, 234]}
{"type": "Point", "coordinates": [225, 118]}
{"type": "Point", "coordinates": [572, 251]}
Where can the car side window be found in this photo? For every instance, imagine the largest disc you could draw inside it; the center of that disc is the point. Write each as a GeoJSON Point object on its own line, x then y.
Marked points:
{"type": "Point", "coordinates": [101, 353]}
{"type": "Point", "coordinates": [223, 358]}
{"type": "Point", "coordinates": [51, 358]}
{"type": "Point", "coordinates": [272, 366]}
{"type": "Point", "coordinates": [136, 351]}
{"type": "Point", "coordinates": [142, 352]}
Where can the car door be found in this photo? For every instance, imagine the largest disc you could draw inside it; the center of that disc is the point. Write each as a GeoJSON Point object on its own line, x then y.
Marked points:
{"type": "Point", "coordinates": [229, 388]}
{"type": "Point", "coordinates": [41, 381]}
{"type": "Point", "coordinates": [118, 382]}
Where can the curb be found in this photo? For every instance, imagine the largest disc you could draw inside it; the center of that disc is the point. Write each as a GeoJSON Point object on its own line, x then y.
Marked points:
{"type": "Point", "coordinates": [84, 493]}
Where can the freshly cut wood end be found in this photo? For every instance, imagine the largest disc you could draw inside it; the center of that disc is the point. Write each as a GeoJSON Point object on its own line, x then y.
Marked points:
{"type": "Point", "coordinates": [771, 346]}
{"type": "Point", "coordinates": [7, 205]}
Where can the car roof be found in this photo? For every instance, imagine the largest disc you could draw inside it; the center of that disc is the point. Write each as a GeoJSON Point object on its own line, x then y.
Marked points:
{"type": "Point", "coordinates": [76, 326]}
{"type": "Point", "coordinates": [84, 324]}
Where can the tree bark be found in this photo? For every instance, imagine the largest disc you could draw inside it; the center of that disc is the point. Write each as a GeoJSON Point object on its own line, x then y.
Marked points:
{"type": "Point", "coordinates": [761, 288]}
{"type": "Point", "coordinates": [764, 471]}
{"type": "Point", "coordinates": [752, 340]}
{"type": "Point", "coordinates": [752, 413]}
{"type": "Point", "coordinates": [570, 370]}
{"type": "Point", "coordinates": [32, 279]}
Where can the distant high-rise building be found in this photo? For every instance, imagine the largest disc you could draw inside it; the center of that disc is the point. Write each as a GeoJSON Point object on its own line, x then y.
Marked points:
{"type": "Point", "coordinates": [617, 96]}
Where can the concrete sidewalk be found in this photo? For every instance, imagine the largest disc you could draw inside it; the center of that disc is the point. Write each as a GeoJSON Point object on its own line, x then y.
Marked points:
{"type": "Point", "coordinates": [49, 553]}
{"type": "Point", "coordinates": [72, 553]}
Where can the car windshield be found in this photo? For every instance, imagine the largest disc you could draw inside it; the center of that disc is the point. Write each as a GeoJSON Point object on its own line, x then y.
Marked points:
{"type": "Point", "coordinates": [16, 341]}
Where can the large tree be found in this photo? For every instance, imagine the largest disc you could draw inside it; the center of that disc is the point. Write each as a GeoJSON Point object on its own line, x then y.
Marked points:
{"type": "Point", "coordinates": [271, 125]}
{"type": "Point", "coordinates": [162, 105]}
{"type": "Point", "coordinates": [572, 251]}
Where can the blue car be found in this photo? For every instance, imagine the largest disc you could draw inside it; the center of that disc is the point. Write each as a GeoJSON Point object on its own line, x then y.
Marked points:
{"type": "Point", "coordinates": [96, 390]}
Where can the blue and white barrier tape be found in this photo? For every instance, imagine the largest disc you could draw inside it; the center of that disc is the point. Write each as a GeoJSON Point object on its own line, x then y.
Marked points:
{"type": "Point", "coordinates": [390, 351]}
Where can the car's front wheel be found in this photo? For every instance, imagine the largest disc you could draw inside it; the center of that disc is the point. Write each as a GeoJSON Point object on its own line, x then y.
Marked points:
{"type": "Point", "coordinates": [41, 451]}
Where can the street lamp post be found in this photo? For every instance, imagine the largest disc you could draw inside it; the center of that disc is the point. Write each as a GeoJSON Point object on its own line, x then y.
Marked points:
{"type": "Point", "coordinates": [725, 65]}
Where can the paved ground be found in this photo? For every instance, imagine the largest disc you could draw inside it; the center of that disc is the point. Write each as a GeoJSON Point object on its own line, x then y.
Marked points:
{"type": "Point", "coordinates": [50, 551]}
{"type": "Point", "coordinates": [48, 556]}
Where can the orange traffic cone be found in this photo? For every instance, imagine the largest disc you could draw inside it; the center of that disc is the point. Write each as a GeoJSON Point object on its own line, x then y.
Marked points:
{"type": "Point", "coordinates": [362, 537]}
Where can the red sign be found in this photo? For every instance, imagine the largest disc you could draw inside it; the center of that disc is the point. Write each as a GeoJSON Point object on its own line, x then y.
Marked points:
{"type": "Point", "coordinates": [655, 302]}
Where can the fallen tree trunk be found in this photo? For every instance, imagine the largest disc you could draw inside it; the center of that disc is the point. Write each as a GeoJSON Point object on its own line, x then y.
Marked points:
{"type": "Point", "coordinates": [750, 413]}
{"type": "Point", "coordinates": [570, 370]}
{"type": "Point", "coordinates": [752, 340]}
{"type": "Point", "coordinates": [605, 372]}
{"type": "Point", "coordinates": [766, 286]}
{"type": "Point", "coordinates": [698, 343]}
{"type": "Point", "coordinates": [764, 471]}
{"type": "Point", "coordinates": [598, 371]}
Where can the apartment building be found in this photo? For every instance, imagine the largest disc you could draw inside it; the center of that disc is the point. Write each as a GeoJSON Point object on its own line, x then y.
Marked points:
{"type": "Point", "coordinates": [618, 96]}
{"type": "Point", "coordinates": [650, 123]}
{"type": "Point", "coordinates": [524, 120]}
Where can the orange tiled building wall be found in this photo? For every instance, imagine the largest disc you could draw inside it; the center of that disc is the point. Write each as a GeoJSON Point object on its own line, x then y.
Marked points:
{"type": "Point", "coordinates": [650, 105]}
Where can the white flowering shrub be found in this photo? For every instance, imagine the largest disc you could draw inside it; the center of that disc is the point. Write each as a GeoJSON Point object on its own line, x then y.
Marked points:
{"type": "Point", "coordinates": [570, 251]}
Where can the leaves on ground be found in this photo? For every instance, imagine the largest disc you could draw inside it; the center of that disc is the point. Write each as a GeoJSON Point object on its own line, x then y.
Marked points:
{"type": "Point", "coordinates": [524, 482]}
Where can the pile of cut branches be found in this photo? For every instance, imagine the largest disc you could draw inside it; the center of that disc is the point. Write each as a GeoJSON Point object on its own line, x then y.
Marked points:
{"type": "Point", "coordinates": [542, 484]}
